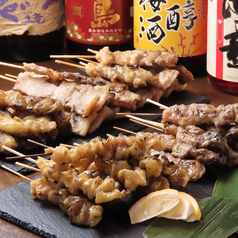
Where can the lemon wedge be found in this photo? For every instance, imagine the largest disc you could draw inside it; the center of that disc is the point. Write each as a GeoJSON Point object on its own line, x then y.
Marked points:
{"type": "Point", "coordinates": [196, 215]}
{"type": "Point", "coordinates": [153, 205]}
{"type": "Point", "coordinates": [182, 210]}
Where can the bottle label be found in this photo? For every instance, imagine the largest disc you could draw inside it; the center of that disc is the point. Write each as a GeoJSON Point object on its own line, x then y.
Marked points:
{"type": "Point", "coordinates": [33, 16]}
{"type": "Point", "coordinates": [178, 26]}
{"type": "Point", "coordinates": [99, 21]}
{"type": "Point", "coordinates": [222, 45]}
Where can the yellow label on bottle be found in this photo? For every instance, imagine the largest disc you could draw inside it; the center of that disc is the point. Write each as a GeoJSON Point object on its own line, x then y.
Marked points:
{"type": "Point", "coordinates": [178, 26]}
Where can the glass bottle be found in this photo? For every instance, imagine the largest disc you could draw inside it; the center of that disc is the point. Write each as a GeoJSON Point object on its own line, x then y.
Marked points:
{"type": "Point", "coordinates": [222, 64]}
{"type": "Point", "coordinates": [97, 23]}
{"type": "Point", "coordinates": [178, 26]}
{"type": "Point", "coordinates": [31, 30]}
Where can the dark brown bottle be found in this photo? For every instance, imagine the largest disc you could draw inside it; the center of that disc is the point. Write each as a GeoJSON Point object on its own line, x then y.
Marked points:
{"type": "Point", "coordinates": [27, 48]}
{"type": "Point", "coordinates": [195, 64]}
{"type": "Point", "coordinates": [31, 30]}
{"type": "Point", "coordinates": [94, 24]}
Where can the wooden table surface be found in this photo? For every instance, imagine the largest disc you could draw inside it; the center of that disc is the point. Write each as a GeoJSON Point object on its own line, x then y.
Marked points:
{"type": "Point", "coordinates": [200, 86]}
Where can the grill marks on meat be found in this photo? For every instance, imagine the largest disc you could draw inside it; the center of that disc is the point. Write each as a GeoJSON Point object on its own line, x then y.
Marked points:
{"type": "Point", "coordinates": [139, 77]}
{"type": "Point", "coordinates": [79, 209]}
{"type": "Point", "coordinates": [58, 77]}
{"type": "Point", "coordinates": [87, 101]}
{"type": "Point", "coordinates": [198, 114]}
{"type": "Point", "coordinates": [120, 148]}
{"type": "Point", "coordinates": [206, 132]}
{"type": "Point", "coordinates": [70, 94]}
{"type": "Point", "coordinates": [26, 125]}
{"type": "Point", "coordinates": [18, 126]}
{"type": "Point", "coordinates": [137, 57]}
{"type": "Point", "coordinates": [7, 140]}
{"type": "Point", "coordinates": [82, 101]}
{"type": "Point", "coordinates": [32, 104]}
{"type": "Point", "coordinates": [102, 178]}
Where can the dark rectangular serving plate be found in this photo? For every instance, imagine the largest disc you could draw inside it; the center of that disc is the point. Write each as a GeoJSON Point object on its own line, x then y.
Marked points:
{"type": "Point", "coordinates": [44, 219]}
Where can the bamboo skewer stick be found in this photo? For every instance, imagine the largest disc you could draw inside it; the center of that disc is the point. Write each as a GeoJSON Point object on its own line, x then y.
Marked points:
{"type": "Point", "coordinates": [138, 114]}
{"type": "Point", "coordinates": [24, 156]}
{"type": "Point", "coordinates": [66, 145]}
{"type": "Point", "coordinates": [121, 129]}
{"type": "Point", "coordinates": [89, 61]}
{"type": "Point", "coordinates": [12, 65]}
{"type": "Point", "coordinates": [37, 143]}
{"type": "Point", "coordinates": [147, 125]}
{"type": "Point", "coordinates": [11, 76]}
{"type": "Point", "coordinates": [156, 103]}
{"type": "Point", "coordinates": [92, 51]}
{"type": "Point", "coordinates": [70, 64]}
{"type": "Point", "coordinates": [8, 78]}
{"type": "Point", "coordinates": [83, 64]}
{"type": "Point", "coordinates": [27, 166]}
{"type": "Point", "coordinates": [14, 172]}
{"type": "Point", "coordinates": [18, 153]}
{"type": "Point", "coordinates": [76, 144]}
{"type": "Point", "coordinates": [108, 135]}
{"type": "Point", "coordinates": [73, 56]}
{"type": "Point", "coordinates": [153, 123]}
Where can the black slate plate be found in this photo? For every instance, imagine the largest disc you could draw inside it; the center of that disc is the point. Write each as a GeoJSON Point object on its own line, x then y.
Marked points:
{"type": "Point", "coordinates": [44, 219]}
{"type": "Point", "coordinates": [19, 207]}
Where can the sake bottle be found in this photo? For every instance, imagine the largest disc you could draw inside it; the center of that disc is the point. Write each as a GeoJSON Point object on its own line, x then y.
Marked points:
{"type": "Point", "coordinates": [31, 30]}
{"type": "Point", "coordinates": [222, 64]}
{"type": "Point", "coordinates": [94, 24]}
{"type": "Point", "coordinates": [179, 26]}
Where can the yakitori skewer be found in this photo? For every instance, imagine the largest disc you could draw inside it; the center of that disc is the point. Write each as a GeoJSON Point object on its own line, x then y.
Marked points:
{"type": "Point", "coordinates": [14, 172]}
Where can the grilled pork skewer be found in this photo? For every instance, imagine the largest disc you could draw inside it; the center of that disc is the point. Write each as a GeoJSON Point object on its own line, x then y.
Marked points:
{"type": "Point", "coordinates": [136, 57]}
{"type": "Point", "coordinates": [198, 114]}
{"type": "Point", "coordinates": [137, 77]}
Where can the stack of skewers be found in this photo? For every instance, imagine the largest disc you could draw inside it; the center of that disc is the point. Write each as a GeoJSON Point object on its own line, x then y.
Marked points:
{"type": "Point", "coordinates": [73, 103]}
{"type": "Point", "coordinates": [82, 178]}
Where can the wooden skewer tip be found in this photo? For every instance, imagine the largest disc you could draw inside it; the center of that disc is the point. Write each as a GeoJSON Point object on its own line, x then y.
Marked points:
{"type": "Point", "coordinates": [16, 173]}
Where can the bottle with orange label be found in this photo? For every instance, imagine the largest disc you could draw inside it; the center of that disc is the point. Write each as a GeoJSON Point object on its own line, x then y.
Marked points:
{"type": "Point", "coordinates": [179, 26]}
{"type": "Point", "coordinates": [97, 23]}
{"type": "Point", "coordinates": [222, 47]}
